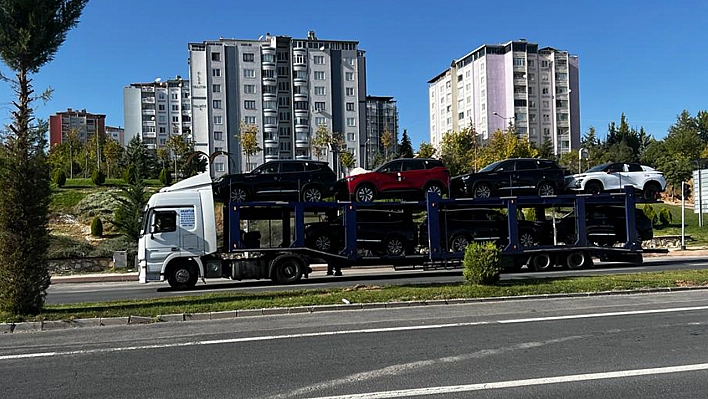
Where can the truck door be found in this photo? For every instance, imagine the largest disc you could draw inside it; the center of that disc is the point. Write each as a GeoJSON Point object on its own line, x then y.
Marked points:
{"type": "Point", "coordinates": [163, 236]}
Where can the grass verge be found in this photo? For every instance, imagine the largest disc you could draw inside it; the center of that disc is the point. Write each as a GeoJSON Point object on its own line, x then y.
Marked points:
{"type": "Point", "coordinates": [369, 294]}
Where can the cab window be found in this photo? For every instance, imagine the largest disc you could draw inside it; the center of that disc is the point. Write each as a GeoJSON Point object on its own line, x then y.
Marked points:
{"type": "Point", "coordinates": [505, 167]}
{"type": "Point", "coordinates": [269, 169]}
{"type": "Point", "coordinates": [164, 221]}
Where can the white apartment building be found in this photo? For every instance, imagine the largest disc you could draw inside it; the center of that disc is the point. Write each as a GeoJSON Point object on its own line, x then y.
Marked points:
{"type": "Point", "coordinates": [157, 110]}
{"type": "Point", "coordinates": [516, 83]}
{"type": "Point", "coordinates": [287, 87]}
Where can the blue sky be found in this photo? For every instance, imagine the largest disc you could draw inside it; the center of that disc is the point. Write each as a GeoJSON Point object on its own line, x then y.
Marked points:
{"type": "Point", "coordinates": [644, 58]}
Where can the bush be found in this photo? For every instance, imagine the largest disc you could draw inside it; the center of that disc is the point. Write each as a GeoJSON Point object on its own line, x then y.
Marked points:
{"type": "Point", "coordinates": [59, 178]}
{"type": "Point", "coordinates": [129, 174]}
{"type": "Point", "coordinates": [98, 177]}
{"type": "Point", "coordinates": [482, 263]}
{"type": "Point", "coordinates": [165, 177]}
{"type": "Point", "coordinates": [665, 217]}
{"type": "Point", "coordinates": [96, 227]}
{"type": "Point", "coordinates": [651, 213]}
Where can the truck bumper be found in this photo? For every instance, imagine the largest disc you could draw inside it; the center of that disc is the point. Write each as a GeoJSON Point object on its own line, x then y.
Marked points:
{"type": "Point", "coordinates": [144, 276]}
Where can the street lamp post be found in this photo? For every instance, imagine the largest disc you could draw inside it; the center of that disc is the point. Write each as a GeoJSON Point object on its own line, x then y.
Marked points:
{"type": "Point", "coordinates": [511, 119]}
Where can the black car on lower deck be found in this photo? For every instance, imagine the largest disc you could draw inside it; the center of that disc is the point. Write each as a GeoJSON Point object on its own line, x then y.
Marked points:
{"type": "Point", "coordinates": [294, 180]}
{"type": "Point", "coordinates": [459, 227]}
{"type": "Point", "coordinates": [519, 176]}
{"type": "Point", "coordinates": [383, 232]}
{"type": "Point", "coordinates": [605, 225]}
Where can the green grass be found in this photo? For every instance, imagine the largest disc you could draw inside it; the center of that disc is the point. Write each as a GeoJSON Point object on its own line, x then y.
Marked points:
{"type": "Point", "coordinates": [699, 234]}
{"type": "Point", "coordinates": [372, 294]}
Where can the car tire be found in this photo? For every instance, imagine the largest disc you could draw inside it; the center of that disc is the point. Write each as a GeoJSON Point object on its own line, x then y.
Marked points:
{"type": "Point", "coordinates": [546, 189]}
{"type": "Point", "coordinates": [651, 191]}
{"type": "Point", "coordinates": [434, 188]}
{"type": "Point", "coordinates": [459, 243]}
{"type": "Point", "coordinates": [527, 239]}
{"type": "Point", "coordinates": [182, 275]}
{"type": "Point", "coordinates": [238, 194]}
{"type": "Point", "coordinates": [364, 193]}
{"type": "Point", "coordinates": [482, 190]}
{"type": "Point", "coordinates": [593, 187]}
{"type": "Point", "coordinates": [311, 194]}
{"type": "Point", "coordinates": [323, 242]}
{"type": "Point", "coordinates": [394, 246]}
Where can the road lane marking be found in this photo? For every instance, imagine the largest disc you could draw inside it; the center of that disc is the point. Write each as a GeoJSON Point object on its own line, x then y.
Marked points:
{"type": "Point", "coordinates": [348, 332]}
{"type": "Point", "coordinates": [520, 383]}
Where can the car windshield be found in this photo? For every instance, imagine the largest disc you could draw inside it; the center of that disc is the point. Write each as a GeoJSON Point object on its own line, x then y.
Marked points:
{"type": "Point", "coordinates": [598, 168]}
{"type": "Point", "coordinates": [490, 167]}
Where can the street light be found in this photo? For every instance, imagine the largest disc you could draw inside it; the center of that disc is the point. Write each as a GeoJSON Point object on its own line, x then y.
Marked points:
{"type": "Point", "coordinates": [511, 119]}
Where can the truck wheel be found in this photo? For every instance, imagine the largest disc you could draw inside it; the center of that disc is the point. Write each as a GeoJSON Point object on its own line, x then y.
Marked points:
{"type": "Point", "coordinates": [182, 275]}
{"type": "Point", "coordinates": [546, 189]}
{"type": "Point", "coordinates": [286, 269]}
{"type": "Point", "coordinates": [311, 194]}
{"type": "Point", "coordinates": [482, 190]}
{"type": "Point", "coordinates": [541, 262]}
{"type": "Point", "coordinates": [578, 260]}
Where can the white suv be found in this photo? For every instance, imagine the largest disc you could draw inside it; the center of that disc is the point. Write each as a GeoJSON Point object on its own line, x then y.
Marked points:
{"type": "Point", "coordinates": [614, 176]}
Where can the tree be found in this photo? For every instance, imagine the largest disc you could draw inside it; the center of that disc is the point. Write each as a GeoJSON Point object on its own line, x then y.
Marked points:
{"type": "Point", "coordinates": [31, 33]}
{"type": "Point", "coordinates": [457, 151]}
{"type": "Point", "coordinates": [321, 141]}
{"type": "Point", "coordinates": [405, 150]}
{"type": "Point", "coordinates": [136, 155]}
{"type": "Point", "coordinates": [132, 200]}
{"type": "Point", "coordinates": [503, 145]}
{"type": "Point", "coordinates": [426, 150]}
{"type": "Point", "coordinates": [182, 150]}
{"type": "Point", "coordinates": [386, 141]}
{"type": "Point", "coordinates": [347, 160]}
{"type": "Point", "coordinates": [249, 141]}
{"type": "Point", "coordinates": [112, 151]}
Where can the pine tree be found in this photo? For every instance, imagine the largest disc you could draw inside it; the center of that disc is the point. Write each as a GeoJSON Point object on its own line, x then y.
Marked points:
{"type": "Point", "coordinates": [405, 150]}
{"type": "Point", "coordinates": [31, 32]}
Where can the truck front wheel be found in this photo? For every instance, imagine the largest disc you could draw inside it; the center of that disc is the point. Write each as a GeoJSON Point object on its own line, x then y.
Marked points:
{"type": "Point", "coordinates": [182, 275]}
{"type": "Point", "coordinates": [286, 270]}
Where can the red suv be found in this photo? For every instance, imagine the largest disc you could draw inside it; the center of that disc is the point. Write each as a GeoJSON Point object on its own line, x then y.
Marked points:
{"type": "Point", "coordinates": [401, 178]}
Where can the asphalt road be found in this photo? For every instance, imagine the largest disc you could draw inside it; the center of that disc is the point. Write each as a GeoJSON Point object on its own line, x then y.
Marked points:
{"type": "Point", "coordinates": [639, 346]}
{"type": "Point", "coordinates": [99, 292]}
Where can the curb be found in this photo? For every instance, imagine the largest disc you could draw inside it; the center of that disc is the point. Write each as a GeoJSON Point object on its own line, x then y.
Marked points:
{"type": "Point", "coordinates": [51, 325]}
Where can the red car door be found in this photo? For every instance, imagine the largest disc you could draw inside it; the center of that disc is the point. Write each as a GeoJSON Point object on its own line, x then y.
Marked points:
{"type": "Point", "coordinates": [388, 177]}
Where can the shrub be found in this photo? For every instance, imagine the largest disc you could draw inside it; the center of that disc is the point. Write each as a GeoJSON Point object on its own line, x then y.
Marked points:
{"type": "Point", "coordinates": [96, 227]}
{"type": "Point", "coordinates": [482, 263]}
{"type": "Point", "coordinates": [59, 178]}
{"type": "Point", "coordinates": [651, 213]}
{"type": "Point", "coordinates": [98, 177]}
{"type": "Point", "coordinates": [665, 217]}
{"type": "Point", "coordinates": [129, 174]}
{"type": "Point", "coordinates": [165, 177]}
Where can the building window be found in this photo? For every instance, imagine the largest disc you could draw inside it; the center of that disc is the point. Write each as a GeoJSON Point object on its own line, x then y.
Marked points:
{"type": "Point", "coordinates": [161, 107]}
{"type": "Point", "coordinates": [319, 106]}
{"type": "Point", "coordinates": [218, 135]}
{"type": "Point", "coordinates": [532, 63]}
{"type": "Point", "coordinates": [532, 104]}
{"type": "Point", "coordinates": [544, 90]}
{"type": "Point", "coordinates": [350, 91]}
{"type": "Point", "coordinates": [545, 103]}
{"type": "Point", "coordinates": [546, 117]}
{"type": "Point", "coordinates": [219, 166]}
{"type": "Point", "coordinates": [349, 76]}
{"type": "Point", "coordinates": [351, 136]}
{"type": "Point", "coordinates": [268, 58]}
{"type": "Point", "coordinates": [216, 88]}
{"type": "Point", "coordinates": [350, 106]}
{"type": "Point", "coordinates": [249, 73]}
{"type": "Point", "coordinates": [162, 130]}
{"type": "Point", "coordinates": [218, 149]}
{"type": "Point", "coordinates": [319, 90]}
{"type": "Point", "coordinates": [175, 119]}
{"type": "Point", "coordinates": [284, 101]}
{"type": "Point", "coordinates": [218, 120]}
{"type": "Point", "coordinates": [319, 59]}
{"type": "Point", "coordinates": [249, 89]}
{"type": "Point", "coordinates": [320, 121]}
{"type": "Point", "coordinates": [162, 118]}
{"type": "Point", "coordinates": [249, 120]}
{"type": "Point", "coordinates": [270, 120]}
{"type": "Point", "coordinates": [216, 56]}
{"type": "Point", "coordinates": [351, 122]}
{"type": "Point", "coordinates": [319, 75]}
{"type": "Point", "coordinates": [175, 107]}
{"type": "Point", "coordinates": [174, 96]}
{"type": "Point", "coordinates": [460, 116]}
{"type": "Point", "coordinates": [216, 72]}
{"type": "Point", "coordinates": [544, 64]}
{"type": "Point", "coordinates": [268, 73]}
{"type": "Point", "coordinates": [216, 104]}
{"type": "Point", "coordinates": [546, 131]}
{"type": "Point", "coordinates": [561, 76]}
{"type": "Point", "coordinates": [519, 62]}
{"type": "Point", "coordinates": [249, 104]}
{"type": "Point", "coordinates": [248, 57]}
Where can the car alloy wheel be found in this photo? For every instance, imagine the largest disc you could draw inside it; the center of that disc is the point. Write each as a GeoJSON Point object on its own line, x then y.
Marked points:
{"type": "Point", "coordinates": [546, 189]}
{"type": "Point", "coordinates": [238, 195]}
{"type": "Point", "coordinates": [323, 243]}
{"type": "Point", "coordinates": [394, 247]}
{"type": "Point", "coordinates": [526, 239]}
{"type": "Point", "coordinates": [482, 191]}
{"type": "Point", "coordinates": [434, 188]}
{"type": "Point", "coordinates": [364, 194]}
{"type": "Point", "coordinates": [459, 244]}
{"type": "Point", "coordinates": [312, 194]}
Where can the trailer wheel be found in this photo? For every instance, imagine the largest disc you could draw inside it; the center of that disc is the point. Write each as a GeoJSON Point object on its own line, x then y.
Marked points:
{"type": "Point", "coordinates": [286, 269]}
{"type": "Point", "coordinates": [541, 262]}
{"type": "Point", "coordinates": [182, 275]}
{"type": "Point", "coordinates": [578, 260]}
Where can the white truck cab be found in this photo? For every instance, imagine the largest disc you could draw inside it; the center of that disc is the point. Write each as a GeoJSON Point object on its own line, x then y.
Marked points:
{"type": "Point", "coordinates": [179, 228]}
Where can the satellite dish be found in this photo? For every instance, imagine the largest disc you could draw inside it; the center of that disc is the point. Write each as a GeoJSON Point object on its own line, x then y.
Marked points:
{"type": "Point", "coordinates": [260, 37]}
{"type": "Point", "coordinates": [158, 80]}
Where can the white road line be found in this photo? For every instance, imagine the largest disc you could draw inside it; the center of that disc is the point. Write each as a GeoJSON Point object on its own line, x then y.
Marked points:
{"type": "Point", "coordinates": [347, 332]}
{"type": "Point", "coordinates": [520, 383]}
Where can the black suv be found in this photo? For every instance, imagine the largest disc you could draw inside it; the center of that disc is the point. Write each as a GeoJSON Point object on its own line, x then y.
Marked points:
{"type": "Point", "coordinates": [383, 232]}
{"type": "Point", "coordinates": [308, 181]}
{"type": "Point", "coordinates": [605, 226]}
{"type": "Point", "coordinates": [459, 227]}
{"type": "Point", "coordinates": [511, 177]}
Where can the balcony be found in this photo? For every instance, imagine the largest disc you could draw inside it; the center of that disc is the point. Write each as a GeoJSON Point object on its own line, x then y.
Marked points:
{"type": "Point", "coordinates": [149, 111]}
{"type": "Point", "coordinates": [302, 129]}
{"type": "Point", "coordinates": [148, 100]}
{"type": "Point", "coordinates": [302, 139]}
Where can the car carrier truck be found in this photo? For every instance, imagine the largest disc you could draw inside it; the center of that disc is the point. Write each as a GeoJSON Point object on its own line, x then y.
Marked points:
{"type": "Point", "coordinates": [179, 241]}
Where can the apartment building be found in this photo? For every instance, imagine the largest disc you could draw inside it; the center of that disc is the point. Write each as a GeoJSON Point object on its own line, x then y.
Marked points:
{"type": "Point", "coordinates": [156, 110]}
{"type": "Point", "coordinates": [286, 87]}
{"type": "Point", "coordinates": [381, 116]}
{"type": "Point", "coordinates": [116, 133]}
{"type": "Point", "coordinates": [535, 90]}
{"type": "Point", "coordinates": [83, 124]}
